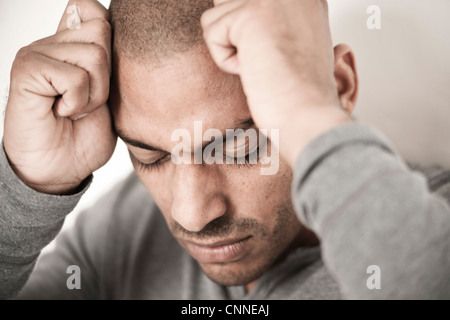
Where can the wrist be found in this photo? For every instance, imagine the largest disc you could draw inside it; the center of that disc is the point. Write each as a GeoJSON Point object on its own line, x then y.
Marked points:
{"type": "Point", "coordinates": [299, 129]}
{"type": "Point", "coordinates": [55, 188]}
{"type": "Point", "coordinates": [62, 189]}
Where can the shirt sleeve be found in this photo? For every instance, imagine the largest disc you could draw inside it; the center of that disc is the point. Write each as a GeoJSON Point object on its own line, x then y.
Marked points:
{"type": "Point", "coordinates": [383, 233]}
{"type": "Point", "coordinates": [89, 260]}
{"type": "Point", "coordinates": [29, 220]}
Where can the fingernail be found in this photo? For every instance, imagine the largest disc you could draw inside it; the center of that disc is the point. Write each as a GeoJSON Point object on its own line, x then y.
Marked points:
{"type": "Point", "coordinates": [79, 117]}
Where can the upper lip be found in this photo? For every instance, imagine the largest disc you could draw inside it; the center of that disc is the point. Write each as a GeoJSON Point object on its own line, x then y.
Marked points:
{"type": "Point", "coordinates": [217, 243]}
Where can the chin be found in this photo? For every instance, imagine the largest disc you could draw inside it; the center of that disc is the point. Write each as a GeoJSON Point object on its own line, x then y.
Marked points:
{"type": "Point", "coordinates": [235, 273]}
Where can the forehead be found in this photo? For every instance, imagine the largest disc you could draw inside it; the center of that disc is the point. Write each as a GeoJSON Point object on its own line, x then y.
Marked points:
{"type": "Point", "coordinates": [155, 100]}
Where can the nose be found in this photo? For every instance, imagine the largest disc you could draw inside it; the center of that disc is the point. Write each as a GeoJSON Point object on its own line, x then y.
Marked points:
{"type": "Point", "coordinates": [197, 196]}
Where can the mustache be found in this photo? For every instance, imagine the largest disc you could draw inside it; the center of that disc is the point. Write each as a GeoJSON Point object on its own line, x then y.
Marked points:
{"type": "Point", "coordinates": [222, 227]}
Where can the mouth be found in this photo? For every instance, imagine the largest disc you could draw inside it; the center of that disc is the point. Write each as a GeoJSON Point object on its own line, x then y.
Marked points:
{"type": "Point", "coordinates": [219, 252]}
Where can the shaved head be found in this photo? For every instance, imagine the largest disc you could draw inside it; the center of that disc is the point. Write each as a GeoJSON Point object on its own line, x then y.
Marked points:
{"type": "Point", "coordinates": [153, 30]}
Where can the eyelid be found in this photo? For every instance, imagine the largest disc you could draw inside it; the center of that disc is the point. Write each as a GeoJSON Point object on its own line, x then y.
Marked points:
{"type": "Point", "coordinates": [233, 147]}
{"type": "Point", "coordinates": [146, 154]}
{"type": "Point", "coordinates": [149, 162]}
{"type": "Point", "coordinates": [152, 166]}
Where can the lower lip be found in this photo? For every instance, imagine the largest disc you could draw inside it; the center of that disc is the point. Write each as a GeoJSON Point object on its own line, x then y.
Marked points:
{"type": "Point", "coordinates": [221, 254]}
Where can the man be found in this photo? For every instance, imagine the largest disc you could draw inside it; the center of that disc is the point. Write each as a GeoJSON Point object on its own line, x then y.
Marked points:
{"type": "Point", "coordinates": [208, 231]}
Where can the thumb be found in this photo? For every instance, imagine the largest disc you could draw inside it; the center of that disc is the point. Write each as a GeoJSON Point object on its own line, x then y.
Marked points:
{"type": "Point", "coordinates": [78, 11]}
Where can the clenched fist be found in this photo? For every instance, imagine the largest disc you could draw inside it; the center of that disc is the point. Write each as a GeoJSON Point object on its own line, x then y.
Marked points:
{"type": "Point", "coordinates": [58, 127]}
{"type": "Point", "coordinates": [283, 53]}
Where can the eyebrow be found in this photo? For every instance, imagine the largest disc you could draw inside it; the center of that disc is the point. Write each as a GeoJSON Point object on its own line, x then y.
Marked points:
{"type": "Point", "coordinates": [244, 125]}
{"type": "Point", "coordinates": [136, 143]}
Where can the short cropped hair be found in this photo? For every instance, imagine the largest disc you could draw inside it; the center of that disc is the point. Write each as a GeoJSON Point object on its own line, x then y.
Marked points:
{"type": "Point", "coordinates": [152, 30]}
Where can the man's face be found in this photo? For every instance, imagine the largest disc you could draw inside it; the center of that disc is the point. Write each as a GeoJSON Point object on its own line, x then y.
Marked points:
{"type": "Point", "coordinates": [234, 221]}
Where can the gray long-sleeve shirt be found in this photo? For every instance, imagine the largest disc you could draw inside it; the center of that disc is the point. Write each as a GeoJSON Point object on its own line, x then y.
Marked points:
{"type": "Point", "coordinates": [367, 207]}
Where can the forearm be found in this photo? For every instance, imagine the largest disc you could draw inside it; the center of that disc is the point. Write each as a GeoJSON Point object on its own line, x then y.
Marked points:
{"type": "Point", "coordinates": [29, 221]}
{"type": "Point", "coordinates": [368, 208]}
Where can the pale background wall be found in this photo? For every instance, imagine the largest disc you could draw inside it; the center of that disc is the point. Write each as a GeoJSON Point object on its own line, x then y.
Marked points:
{"type": "Point", "coordinates": [404, 71]}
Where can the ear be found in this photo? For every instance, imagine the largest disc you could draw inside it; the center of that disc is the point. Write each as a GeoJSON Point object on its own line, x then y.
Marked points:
{"type": "Point", "coordinates": [346, 76]}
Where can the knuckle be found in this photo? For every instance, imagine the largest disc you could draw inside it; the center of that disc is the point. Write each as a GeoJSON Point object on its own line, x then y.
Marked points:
{"type": "Point", "coordinates": [97, 54]}
{"type": "Point", "coordinates": [99, 94]}
{"type": "Point", "coordinates": [80, 79]}
{"type": "Point", "coordinates": [102, 100]}
{"type": "Point", "coordinates": [38, 42]}
{"type": "Point", "coordinates": [100, 97]}
{"type": "Point", "coordinates": [103, 94]}
{"type": "Point", "coordinates": [208, 33]}
{"type": "Point", "coordinates": [257, 10]}
{"type": "Point", "coordinates": [25, 57]}
{"type": "Point", "coordinates": [252, 11]}
{"type": "Point", "coordinates": [204, 19]}
{"type": "Point", "coordinates": [24, 53]}
{"type": "Point", "coordinates": [102, 27]}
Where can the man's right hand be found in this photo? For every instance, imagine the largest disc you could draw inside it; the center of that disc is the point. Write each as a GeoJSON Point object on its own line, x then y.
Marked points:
{"type": "Point", "coordinates": [58, 127]}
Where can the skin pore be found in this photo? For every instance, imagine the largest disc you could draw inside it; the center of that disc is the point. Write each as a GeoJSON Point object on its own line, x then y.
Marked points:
{"type": "Point", "coordinates": [204, 205]}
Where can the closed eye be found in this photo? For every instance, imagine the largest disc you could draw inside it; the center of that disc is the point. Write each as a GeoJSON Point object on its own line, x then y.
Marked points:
{"type": "Point", "coordinates": [144, 167]}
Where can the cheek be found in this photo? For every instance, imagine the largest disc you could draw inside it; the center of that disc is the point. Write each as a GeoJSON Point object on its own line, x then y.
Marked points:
{"type": "Point", "coordinates": [248, 193]}
{"type": "Point", "coordinates": [257, 196]}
